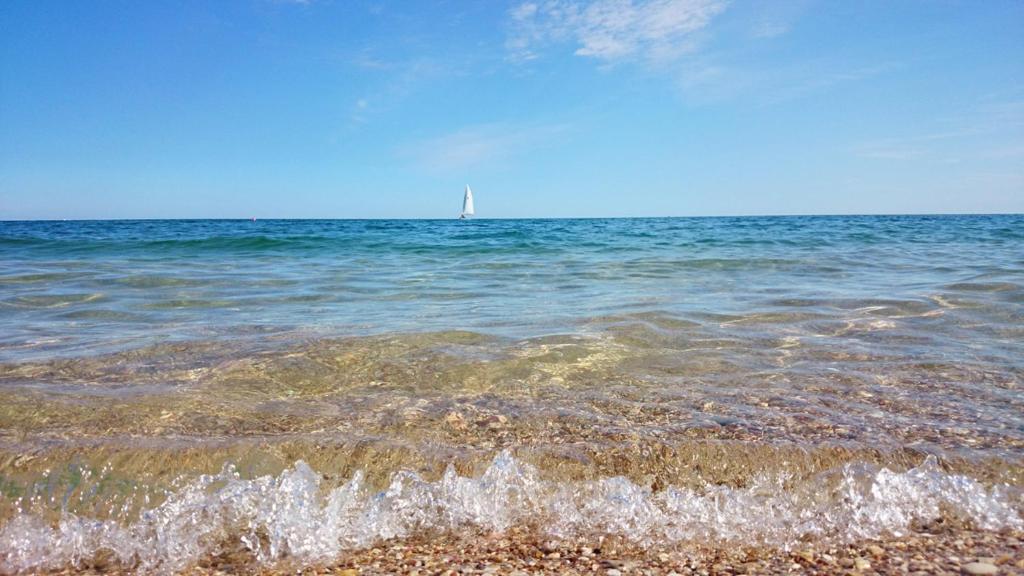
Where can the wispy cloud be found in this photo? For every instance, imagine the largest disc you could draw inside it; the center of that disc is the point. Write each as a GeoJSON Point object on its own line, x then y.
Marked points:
{"type": "Point", "coordinates": [389, 84]}
{"type": "Point", "coordinates": [1011, 151]}
{"type": "Point", "coordinates": [360, 108]}
{"type": "Point", "coordinates": [890, 149]}
{"type": "Point", "coordinates": [826, 80]}
{"type": "Point", "coordinates": [367, 62]}
{"type": "Point", "coordinates": [776, 18]}
{"type": "Point", "coordinates": [988, 130]}
{"type": "Point", "coordinates": [610, 30]}
{"type": "Point", "coordinates": [704, 81]}
{"type": "Point", "coordinates": [478, 145]}
{"type": "Point", "coordinates": [910, 147]}
{"type": "Point", "coordinates": [771, 29]}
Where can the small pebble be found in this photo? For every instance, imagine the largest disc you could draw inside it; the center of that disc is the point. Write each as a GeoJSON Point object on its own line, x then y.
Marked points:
{"type": "Point", "coordinates": [979, 569]}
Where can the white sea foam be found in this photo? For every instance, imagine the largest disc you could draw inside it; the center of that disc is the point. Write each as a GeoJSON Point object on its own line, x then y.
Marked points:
{"type": "Point", "coordinates": [291, 516]}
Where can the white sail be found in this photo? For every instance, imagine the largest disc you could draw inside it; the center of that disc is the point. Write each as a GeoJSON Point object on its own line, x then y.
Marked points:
{"type": "Point", "coordinates": [467, 202]}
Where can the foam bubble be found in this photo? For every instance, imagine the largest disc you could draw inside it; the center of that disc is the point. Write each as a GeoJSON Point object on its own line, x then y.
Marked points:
{"type": "Point", "coordinates": [290, 515]}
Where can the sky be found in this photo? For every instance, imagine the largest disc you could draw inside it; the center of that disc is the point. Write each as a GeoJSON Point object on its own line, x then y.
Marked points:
{"type": "Point", "coordinates": [547, 108]}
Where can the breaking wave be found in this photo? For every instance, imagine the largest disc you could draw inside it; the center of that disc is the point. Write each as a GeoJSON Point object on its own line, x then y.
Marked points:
{"type": "Point", "coordinates": [290, 516]}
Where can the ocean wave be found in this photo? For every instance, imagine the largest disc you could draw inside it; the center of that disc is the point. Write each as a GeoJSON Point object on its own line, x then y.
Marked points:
{"type": "Point", "coordinates": [292, 516]}
{"type": "Point", "coordinates": [153, 247]}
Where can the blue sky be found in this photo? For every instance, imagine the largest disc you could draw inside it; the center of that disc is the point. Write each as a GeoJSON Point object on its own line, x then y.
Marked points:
{"type": "Point", "coordinates": [552, 108]}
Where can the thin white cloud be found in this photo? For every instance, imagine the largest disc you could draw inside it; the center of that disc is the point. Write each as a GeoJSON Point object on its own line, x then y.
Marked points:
{"type": "Point", "coordinates": [890, 150]}
{"type": "Point", "coordinates": [776, 18]}
{"type": "Point", "coordinates": [704, 81]}
{"type": "Point", "coordinates": [523, 11]}
{"type": "Point", "coordinates": [989, 130]}
{"type": "Point", "coordinates": [479, 145]}
{"type": "Point", "coordinates": [367, 62]}
{"type": "Point", "coordinates": [610, 30]}
{"type": "Point", "coordinates": [817, 83]}
{"type": "Point", "coordinates": [360, 108]}
{"type": "Point", "coordinates": [390, 84]}
{"type": "Point", "coordinates": [1012, 151]}
{"type": "Point", "coordinates": [771, 29]}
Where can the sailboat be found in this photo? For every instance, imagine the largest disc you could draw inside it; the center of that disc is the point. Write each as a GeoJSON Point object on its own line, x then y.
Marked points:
{"type": "Point", "coordinates": [467, 204]}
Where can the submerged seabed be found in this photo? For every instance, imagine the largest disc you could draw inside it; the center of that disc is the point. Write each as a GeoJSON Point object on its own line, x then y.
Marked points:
{"type": "Point", "coordinates": [174, 391]}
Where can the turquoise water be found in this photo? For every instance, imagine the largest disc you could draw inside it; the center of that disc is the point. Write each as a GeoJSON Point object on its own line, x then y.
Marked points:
{"type": "Point", "coordinates": [71, 288]}
{"type": "Point", "coordinates": [173, 392]}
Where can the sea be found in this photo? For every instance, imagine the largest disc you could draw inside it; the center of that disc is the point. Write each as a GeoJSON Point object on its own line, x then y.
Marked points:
{"type": "Point", "coordinates": [298, 389]}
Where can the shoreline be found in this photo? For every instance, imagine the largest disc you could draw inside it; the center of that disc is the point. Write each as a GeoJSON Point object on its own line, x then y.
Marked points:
{"type": "Point", "coordinates": [509, 518]}
{"type": "Point", "coordinates": [934, 549]}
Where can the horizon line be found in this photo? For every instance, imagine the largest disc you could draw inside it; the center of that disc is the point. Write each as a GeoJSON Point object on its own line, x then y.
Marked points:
{"type": "Point", "coordinates": [370, 219]}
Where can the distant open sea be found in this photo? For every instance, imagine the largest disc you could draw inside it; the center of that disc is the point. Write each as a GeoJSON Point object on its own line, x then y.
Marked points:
{"type": "Point", "coordinates": [171, 389]}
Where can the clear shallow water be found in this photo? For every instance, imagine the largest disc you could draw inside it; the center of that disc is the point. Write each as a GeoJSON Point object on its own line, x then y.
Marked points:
{"type": "Point", "coordinates": [79, 287]}
{"type": "Point", "coordinates": [675, 375]}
